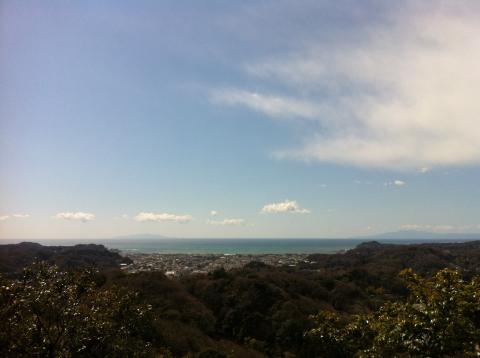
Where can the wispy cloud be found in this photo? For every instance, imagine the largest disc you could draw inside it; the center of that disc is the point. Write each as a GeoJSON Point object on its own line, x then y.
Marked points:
{"type": "Point", "coordinates": [395, 183]}
{"type": "Point", "coordinates": [227, 222]}
{"type": "Point", "coordinates": [80, 216]}
{"type": "Point", "coordinates": [14, 216]}
{"type": "Point", "coordinates": [287, 206]}
{"type": "Point", "coordinates": [363, 182]}
{"type": "Point", "coordinates": [159, 217]}
{"type": "Point", "coordinates": [21, 216]}
{"type": "Point", "coordinates": [402, 97]}
{"type": "Point", "coordinates": [214, 213]}
{"type": "Point", "coordinates": [271, 105]}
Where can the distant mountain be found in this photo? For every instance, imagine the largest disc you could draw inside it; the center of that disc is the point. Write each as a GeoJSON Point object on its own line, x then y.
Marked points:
{"type": "Point", "coordinates": [141, 236]}
{"type": "Point", "coordinates": [428, 235]}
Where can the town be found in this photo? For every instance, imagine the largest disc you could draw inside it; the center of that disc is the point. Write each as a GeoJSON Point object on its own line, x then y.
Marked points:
{"type": "Point", "coordinates": [181, 264]}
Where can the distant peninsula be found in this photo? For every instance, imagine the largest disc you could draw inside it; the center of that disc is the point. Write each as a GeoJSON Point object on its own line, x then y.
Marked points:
{"type": "Point", "coordinates": [426, 235]}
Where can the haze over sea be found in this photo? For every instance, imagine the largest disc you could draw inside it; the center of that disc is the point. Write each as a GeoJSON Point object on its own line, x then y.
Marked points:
{"type": "Point", "coordinates": [230, 246]}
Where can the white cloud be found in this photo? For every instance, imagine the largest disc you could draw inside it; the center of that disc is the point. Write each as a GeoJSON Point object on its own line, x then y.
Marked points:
{"type": "Point", "coordinates": [227, 222]}
{"type": "Point", "coordinates": [271, 105]}
{"type": "Point", "coordinates": [287, 206]}
{"type": "Point", "coordinates": [81, 216]}
{"type": "Point", "coordinates": [424, 170]}
{"type": "Point", "coordinates": [14, 216]}
{"type": "Point", "coordinates": [214, 213]}
{"type": "Point", "coordinates": [403, 97]}
{"type": "Point", "coordinates": [159, 217]}
{"type": "Point", "coordinates": [21, 216]}
{"type": "Point", "coordinates": [396, 183]}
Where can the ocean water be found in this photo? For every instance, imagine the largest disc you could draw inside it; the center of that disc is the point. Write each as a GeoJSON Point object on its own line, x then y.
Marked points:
{"type": "Point", "coordinates": [229, 246]}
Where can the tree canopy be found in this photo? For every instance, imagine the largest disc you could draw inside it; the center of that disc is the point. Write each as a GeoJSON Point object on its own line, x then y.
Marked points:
{"type": "Point", "coordinates": [52, 313]}
{"type": "Point", "coordinates": [440, 318]}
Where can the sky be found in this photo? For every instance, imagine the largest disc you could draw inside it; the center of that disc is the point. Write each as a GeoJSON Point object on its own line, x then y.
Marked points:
{"type": "Point", "coordinates": [246, 119]}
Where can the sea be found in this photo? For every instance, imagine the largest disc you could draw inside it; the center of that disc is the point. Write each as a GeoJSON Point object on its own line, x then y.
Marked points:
{"type": "Point", "coordinates": [228, 246]}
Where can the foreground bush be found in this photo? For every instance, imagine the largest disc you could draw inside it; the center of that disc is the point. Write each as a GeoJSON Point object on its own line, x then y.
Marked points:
{"type": "Point", "coordinates": [50, 313]}
{"type": "Point", "coordinates": [440, 318]}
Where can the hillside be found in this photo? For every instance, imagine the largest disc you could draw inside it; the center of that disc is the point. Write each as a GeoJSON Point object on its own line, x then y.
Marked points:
{"type": "Point", "coordinates": [14, 257]}
{"type": "Point", "coordinates": [260, 310]}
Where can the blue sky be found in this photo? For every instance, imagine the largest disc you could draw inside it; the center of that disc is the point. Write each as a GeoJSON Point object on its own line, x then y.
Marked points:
{"type": "Point", "coordinates": [283, 118]}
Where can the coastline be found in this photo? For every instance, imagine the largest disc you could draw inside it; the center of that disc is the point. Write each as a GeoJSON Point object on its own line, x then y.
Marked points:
{"type": "Point", "coordinates": [232, 246]}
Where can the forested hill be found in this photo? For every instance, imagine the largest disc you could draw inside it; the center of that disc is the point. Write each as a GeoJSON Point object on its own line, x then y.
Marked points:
{"type": "Point", "coordinates": [14, 257]}
{"type": "Point", "coordinates": [389, 259]}
{"type": "Point", "coordinates": [362, 305]}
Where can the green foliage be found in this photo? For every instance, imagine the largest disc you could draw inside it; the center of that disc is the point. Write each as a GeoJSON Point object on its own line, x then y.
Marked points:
{"type": "Point", "coordinates": [441, 318]}
{"type": "Point", "coordinates": [334, 336]}
{"type": "Point", "coordinates": [50, 313]}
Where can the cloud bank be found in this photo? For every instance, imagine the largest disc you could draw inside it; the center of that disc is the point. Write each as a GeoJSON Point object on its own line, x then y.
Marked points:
{"type": "Point", "coordinates": [161, 217]}
{"type": "Point", "coordinates": [401, 97]}
{"type": "Point", "coordinates": [287, 206]}
{"type": "Point", "coordinates": [80, 216]}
